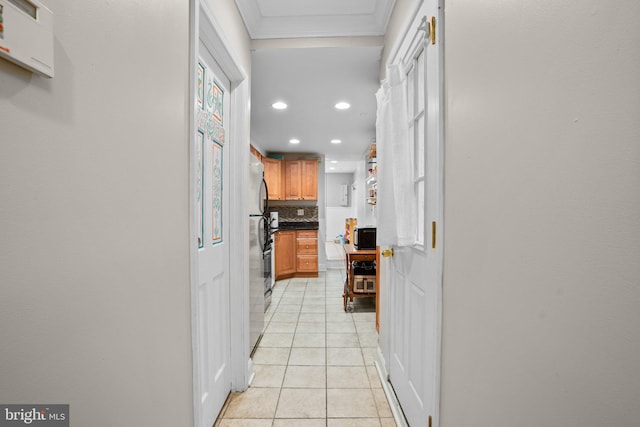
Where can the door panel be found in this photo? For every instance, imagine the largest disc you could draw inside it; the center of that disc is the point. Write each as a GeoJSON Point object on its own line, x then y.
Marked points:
{"type": "Point", "coordinates": [213, 324]}
{"type": "Point", "coordinates": [273, 176]}
{"type": "Point", "coordinates": [292, 180]}
{"type": "Point", "coordinates": [309, 180]}
{"type": "Point", "coordinates": [285, 253]}
{"type": "Point", "coordinates": [213, 310]}
{"type": "Point", "coordinates": [415, 277]}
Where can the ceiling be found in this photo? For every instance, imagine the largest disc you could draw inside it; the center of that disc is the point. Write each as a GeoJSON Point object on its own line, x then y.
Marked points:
{"type": "Point", "coordinates": [342, 65]}
{"type": "Point", "coordinates": [266, 19]}
{"type": "Point", "coordinates": [311, 81]}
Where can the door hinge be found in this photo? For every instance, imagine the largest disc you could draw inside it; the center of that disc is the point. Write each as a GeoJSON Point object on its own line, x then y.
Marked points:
{"type": "Point", "coordinates": [432, 29]}
{"type": "Point", "coordinates": [433, 234]}
{"type": "Point", "coordinates": [429, 420]}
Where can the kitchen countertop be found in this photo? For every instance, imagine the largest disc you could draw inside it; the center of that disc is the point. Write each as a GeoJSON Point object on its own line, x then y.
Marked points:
{"type": "Point", "coordinates": [297, 225]}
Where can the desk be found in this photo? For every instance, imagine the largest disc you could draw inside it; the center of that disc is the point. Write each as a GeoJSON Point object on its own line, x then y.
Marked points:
{"type": "Point", "coordinates": [353, 254]}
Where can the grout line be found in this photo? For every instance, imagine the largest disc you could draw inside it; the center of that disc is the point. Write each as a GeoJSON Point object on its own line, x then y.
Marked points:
{"type": "Point", "coordinates": [312, 294]}
{"type": "Point", "coordinates": [326, 359]}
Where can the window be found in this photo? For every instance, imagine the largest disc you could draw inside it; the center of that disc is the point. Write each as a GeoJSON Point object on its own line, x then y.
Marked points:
{"type": "Point", "coordinates": [416, 95]}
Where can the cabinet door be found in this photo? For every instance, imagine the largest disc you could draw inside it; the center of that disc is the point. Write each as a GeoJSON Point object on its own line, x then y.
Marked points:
{"type": "Point", "coordinates": [307, 242]}
{"type": "Point", "coordinates": [307, 251]}
{"type": "Point", "coordinates": [293, 170]}
{"type": "Point", "coordinates": [309, 180]}
{"type": "Point", "coordinates": [307, 263]}
{"type": "Point", "coordinates": [307, 246]}
{"type": "Point", "coordinates": [273, 176]}
{"type": "Point", "coordinates": [285, 261]}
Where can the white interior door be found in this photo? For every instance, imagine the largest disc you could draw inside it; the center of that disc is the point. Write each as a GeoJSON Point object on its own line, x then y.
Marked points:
{"type": "Point", "coordinates": [416, 271]}
{"type": "Point", "coordinates": [212, 210]}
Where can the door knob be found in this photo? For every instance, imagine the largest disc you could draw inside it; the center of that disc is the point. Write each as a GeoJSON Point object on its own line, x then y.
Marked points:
{"type": "Point", "coordinates": [387, 253]}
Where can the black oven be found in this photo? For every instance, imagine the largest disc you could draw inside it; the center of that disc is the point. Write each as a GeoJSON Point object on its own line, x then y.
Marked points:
{"type": "Point", "coordinates": [268, 276]}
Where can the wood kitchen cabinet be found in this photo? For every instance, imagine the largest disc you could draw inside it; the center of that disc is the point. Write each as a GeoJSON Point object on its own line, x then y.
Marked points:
{"type": "Point", "coordinates": [301, 180]}
{"type": "Point", "coordinates": [296, 254]}
{"type": "Point", "coordinates": [285, 253]}
{"type": "Point", "coordinates": [307, 251]}
{"type": "Point", "coordinates": [309, 180]}
{"type": "Point", "coordinates": [274, 175]}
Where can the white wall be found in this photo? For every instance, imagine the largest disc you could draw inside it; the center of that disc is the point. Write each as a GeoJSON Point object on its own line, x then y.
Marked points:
{"type": "Point", "coordinates": [336, 220]}
{"type": "Point", "coordinates": [322, 215]}
{"type": "Point", "coordinates": [227, 16]}
{"type": "Point", "coordinates": [95, 294]}
{"type": "Point", "coordinates": [542, 201]}
{"type": "Point", "coordinates": [398, 21]}
{"type": "Point", "coordinates": [335, 189]}
{"type": "Point", "coordinates": [336, 214]}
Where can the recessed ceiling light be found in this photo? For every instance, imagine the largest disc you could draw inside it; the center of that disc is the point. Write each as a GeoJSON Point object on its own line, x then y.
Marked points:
{"type": "Point", "coordinates": [334, 161]}
{"type": "Point", "coordinates": [332, 168]}
{"type": "Point", "coordinates": [343, 105]}
{"type": "Point", "coordinates": [294, 141]}
{"type": "Point", "coordinates": [279, 105]}
{"type": "Point", "coordinates": [335, 141]}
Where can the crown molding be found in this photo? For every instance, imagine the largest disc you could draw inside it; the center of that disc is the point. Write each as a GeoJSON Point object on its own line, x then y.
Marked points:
{"type": "Point", "coordinates": [285, 21]}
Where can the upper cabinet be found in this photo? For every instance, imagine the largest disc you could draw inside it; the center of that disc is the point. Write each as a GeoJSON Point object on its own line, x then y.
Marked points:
{"type": "Point", "coordinates": [273, 174]}
{"type": "Point", "coordinates": [301, 180]}
{"type": "Point", "coordinates": [291, 179]}
{"type": "Point", "coordinates": [309, 179]}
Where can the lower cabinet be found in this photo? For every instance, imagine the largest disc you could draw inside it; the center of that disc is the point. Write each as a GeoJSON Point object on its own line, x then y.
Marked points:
{"type": "Point", "coordinates": [307, 264]}
{"type": "Point", "coordinates": [296, 254]}
{"type": "Point", "coordinates": [285, 253]}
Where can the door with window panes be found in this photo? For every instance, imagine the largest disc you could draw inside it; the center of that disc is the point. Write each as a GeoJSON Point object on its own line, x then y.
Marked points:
{"type": "Point", "coordinates": [416, 271]}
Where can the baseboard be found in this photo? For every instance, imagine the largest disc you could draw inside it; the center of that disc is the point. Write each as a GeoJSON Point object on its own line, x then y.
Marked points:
{"type": "Point", "coordinates": [396, 410]}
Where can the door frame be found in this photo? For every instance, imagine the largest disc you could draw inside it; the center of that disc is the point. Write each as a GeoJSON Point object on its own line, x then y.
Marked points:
{"type": "Point", "coordinates": [384, 348]}
{"type": "Point", "coordinates": [203, 26]}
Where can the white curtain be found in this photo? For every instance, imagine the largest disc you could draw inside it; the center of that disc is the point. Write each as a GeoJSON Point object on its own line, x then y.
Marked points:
{"type": "Point", "coordinates": [396, 200]}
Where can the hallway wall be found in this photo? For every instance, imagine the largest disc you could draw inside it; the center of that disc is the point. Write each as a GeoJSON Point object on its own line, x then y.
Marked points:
{"type": "Point", "coordinates": [227, 16]}
{"type": "Point", "coordinates": [401, 16]}
{"type": "Point", "coordinates": [95, 295]}
{"type": "Point", "coordinates": [542, 201]}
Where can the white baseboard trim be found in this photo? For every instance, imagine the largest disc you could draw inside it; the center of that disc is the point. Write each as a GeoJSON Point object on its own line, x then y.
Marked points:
{"type": "Point", "coordinates": [396, 410]}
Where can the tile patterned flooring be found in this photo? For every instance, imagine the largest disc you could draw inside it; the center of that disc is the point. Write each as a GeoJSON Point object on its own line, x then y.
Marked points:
{"type": "Point", "coordinates": [314, 365]}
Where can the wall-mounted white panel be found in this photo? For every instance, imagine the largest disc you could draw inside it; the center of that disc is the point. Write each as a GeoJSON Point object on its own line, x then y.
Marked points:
{"type": "Point", "coordinates": [26, 35]}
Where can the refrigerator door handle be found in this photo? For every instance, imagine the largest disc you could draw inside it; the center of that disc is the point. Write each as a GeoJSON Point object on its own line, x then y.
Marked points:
{"type": "Point", "coordinates": [264, 202]}
{"type": "Point", "coordinates": [261, 233]}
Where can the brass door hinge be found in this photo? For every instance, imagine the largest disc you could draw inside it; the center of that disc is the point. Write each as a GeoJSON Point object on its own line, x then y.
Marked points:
{"type": "Point", "coordinates": [432, 29]}
{"type": "Point", "coordinates": [429, 420]}
{"type": "Point", "coordinates": [433, 234]}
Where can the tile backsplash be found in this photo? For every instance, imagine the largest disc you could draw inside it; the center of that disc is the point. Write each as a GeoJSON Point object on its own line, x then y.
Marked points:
{"type": "Point", "coordinates": [290, 213]}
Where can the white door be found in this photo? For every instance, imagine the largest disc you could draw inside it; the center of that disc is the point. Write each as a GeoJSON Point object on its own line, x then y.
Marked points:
{"type": "Point", "coordinates": [212, 211]}
{"type": "Point", "coordinates": [415, 272]}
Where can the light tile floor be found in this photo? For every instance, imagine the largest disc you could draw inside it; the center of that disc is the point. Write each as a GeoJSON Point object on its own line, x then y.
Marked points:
{"type": "Point", "coordinates": [314, 365]}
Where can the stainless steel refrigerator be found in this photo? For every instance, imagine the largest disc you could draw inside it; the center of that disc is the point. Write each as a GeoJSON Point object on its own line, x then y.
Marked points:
{"type": "Point", "coordinates": [259, 250]}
